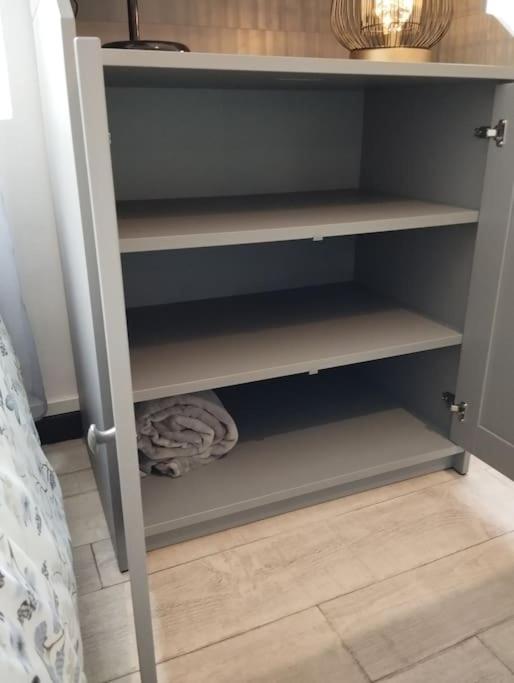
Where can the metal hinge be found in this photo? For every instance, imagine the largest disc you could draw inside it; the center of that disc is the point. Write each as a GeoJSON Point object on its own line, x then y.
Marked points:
{"type": "Point", "coordinates": [458, 409]}
{"type": "Point", "coordinates": [498, 134]}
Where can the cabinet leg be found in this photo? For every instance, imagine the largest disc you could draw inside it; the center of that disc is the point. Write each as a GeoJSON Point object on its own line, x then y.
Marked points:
{"type": "Point", "coordinates": [461, 463]}
{"type": "Point", "coordinates": [120, 550]}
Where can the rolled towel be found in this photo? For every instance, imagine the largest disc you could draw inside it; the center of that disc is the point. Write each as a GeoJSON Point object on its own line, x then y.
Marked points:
{"type": "Point", "coordinates": [181, 433]}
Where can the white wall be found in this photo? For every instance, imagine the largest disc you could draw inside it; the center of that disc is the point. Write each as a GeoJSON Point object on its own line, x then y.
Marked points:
{"type": "Point", "coordinates": [24, 183]}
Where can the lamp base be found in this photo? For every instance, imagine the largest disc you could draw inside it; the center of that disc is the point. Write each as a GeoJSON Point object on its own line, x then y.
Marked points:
{"type": "Point", "coordinates": [393, 54]}
{"type": "Point", "coordinates": [162, 45]}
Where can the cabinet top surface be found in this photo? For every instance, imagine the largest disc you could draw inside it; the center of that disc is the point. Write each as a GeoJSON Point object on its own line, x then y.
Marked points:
{"type": "Point", "coordinates": [139, 68]}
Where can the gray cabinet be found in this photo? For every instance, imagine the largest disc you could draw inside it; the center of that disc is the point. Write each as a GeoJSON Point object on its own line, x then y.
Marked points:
{"type": "Point", "coordinates": [324, 242]}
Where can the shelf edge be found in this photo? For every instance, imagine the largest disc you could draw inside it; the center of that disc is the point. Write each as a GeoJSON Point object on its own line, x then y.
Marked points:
{"type": "Point", "coordinates": [313, 487]}
{"type": "Point", "coordinates": [268, 235]}
{"type": "Point", "coordinates": [311, 366]}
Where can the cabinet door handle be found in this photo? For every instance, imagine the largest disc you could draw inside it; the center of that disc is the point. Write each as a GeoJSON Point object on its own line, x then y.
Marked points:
{"type": "Point", "coordinates": [97, 436]}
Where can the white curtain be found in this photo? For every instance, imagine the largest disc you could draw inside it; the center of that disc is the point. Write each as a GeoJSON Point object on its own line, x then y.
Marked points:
{"type": "Point", "coordinates": [14, 315]}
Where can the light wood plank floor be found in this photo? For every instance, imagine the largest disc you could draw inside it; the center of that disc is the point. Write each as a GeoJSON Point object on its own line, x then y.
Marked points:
{"type": "Point", "coordinates": [409, 583]}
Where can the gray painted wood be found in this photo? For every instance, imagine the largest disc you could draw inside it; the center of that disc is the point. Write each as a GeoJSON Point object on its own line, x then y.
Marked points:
{"type": "Point", "coordinates": [197, 143]}
{"type": "Point", "coordinates": [91, 90]}
{"type": "Point", "coordinates": [462, 462]}
{"type": "Point", "coordinates": [419, 142]}
{"type": "Point", "coordinates": [161, 277]}
{"type": "Point", "coordinates": [486, 378]}
{"type": "Point", "coordinates": [165, 69]}
{"type": "Point", "coordinates": [157, 225]}
{"type": "Point", "coordinates": [417, 381]}
{"type": "Point", "coordinates": [297, 436]}
{"type": "Point", "coordinates": [427, 270]}
{"type": "Point", "coordinates": [207, 344]}
{"type": "Point", "coordinates": [288, 504]}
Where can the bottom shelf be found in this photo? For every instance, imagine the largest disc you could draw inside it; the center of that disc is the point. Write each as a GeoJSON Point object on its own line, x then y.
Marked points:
{"type": "Point", "coordinates": [297, 436]}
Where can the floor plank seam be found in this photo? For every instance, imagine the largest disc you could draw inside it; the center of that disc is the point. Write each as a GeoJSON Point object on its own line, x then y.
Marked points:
{"type": "Point", "coordinates": [230, 637]}
{"type": "Point", "coordinates": [491, 651]}
{"type": "Point", "coordinates": [429, 657]}
{"type": "Point", "coordinates": [83, 545]}
{"type": "Point", "coordinates": [97, 568]}
{"type": "Point", "coordinates": [73, 495]}
{"type": "Point", "coordinates": [97, 590]}
{"type": "Point", "coordinates": [97, 540]}
{"type": "Point", "coordinates": [120, 678]}
{"type": "Point", "coordinates": [417, 567]}
{"type": "Point", "coordinates": [344, 645]}
{"type": "Point", "coordinates": [481, 631]}
{"type": "Point", "coordinates": [82, 594]}
{"type": "Point", "coordinates": [63, 474]}
{"type": "Point", "coordinates": [280, 533]}
{"type": "Point", "coordinates": [95, 560]}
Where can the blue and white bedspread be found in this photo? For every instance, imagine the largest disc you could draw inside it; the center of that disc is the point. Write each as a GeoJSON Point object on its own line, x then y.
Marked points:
{"type": "Point", "coordinates": [39, 629]}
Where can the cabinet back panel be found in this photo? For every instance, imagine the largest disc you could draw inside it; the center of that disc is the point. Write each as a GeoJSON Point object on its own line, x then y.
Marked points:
{"type": "Point", "coordinates": [186, 275]}
{"type": "Point", "coordinates": [427, 270]}
{"type": "Point", "coordinates": [419, 142]}
{"type": "Point", "coordinates": [191, 142]}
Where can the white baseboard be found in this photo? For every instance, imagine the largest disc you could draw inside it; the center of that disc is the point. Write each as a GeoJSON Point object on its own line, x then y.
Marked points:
{"type": "Point", "coordinates": [67, 404]}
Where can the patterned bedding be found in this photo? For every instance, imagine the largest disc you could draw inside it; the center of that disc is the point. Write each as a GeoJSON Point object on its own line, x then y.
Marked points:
{"type": "Point", "coordinates": [39, 630]}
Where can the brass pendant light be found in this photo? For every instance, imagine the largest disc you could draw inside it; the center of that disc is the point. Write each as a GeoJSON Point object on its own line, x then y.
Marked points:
{"type": "Point", "coordinates": [391, 30]}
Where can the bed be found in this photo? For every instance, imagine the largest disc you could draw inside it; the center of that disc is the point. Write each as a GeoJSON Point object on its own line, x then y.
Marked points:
{"type": "Point", "coordinates": [39, 629]}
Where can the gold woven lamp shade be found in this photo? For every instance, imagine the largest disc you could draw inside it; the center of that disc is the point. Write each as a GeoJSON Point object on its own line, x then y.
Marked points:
{"type": "Point", "coordinates": [387, 30]}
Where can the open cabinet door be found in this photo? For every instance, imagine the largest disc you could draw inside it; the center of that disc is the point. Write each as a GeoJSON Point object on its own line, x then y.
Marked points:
{"type": "Point", "coordinates": [121, 433]}
{"type": "Point", "coordinates": [486, 375]}
{"type": "Point", "coordinates": [115, 371]}
{"type": "Point", "coordinates": [83, 198]}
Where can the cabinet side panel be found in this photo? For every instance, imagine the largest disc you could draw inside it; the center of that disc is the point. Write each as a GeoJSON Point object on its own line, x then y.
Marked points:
{"type": "Point", "coordinates": [417, 382]}
{"type": "Point", "coordinates": [418, 142]}
{"type": "Point", "coordinates": [427, 270]}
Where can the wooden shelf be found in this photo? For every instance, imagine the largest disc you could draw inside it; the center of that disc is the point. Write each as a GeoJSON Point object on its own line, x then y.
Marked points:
{"type": "Point", "coordinates": [207, 222]}
{"type": "Point", "coordinates": [200, 345]}
{"type": "Point", "coordinates": [140, 68]}
{"type": "Point", "coordinates": [298, 436]}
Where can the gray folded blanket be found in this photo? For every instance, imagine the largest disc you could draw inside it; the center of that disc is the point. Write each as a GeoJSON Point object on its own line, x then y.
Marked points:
{"type": "Point", "coordinates": [181, 433]}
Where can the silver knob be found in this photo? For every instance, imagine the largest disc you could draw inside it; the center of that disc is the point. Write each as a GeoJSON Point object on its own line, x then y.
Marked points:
{"type": "Point", "coordinates": [97, 436]}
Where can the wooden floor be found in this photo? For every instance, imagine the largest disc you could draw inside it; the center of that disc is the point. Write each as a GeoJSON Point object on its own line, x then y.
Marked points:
{"type": "Point", "coordinates": [409, 583]}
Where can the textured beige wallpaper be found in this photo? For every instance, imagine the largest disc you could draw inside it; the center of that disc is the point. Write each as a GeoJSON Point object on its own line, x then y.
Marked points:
{"type": "Point", "coordinates": [476, 37]}
{"type": "Point", "coordinates": [281, 27]}
{"type": "Point", "coordinates": [269, 27]}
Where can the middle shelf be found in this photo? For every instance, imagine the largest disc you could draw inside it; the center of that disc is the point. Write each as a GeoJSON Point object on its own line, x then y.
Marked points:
{"type": "Point", "coordinates": [156, 225]}
{"type": "Point", "coordinates": [193, 346]}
